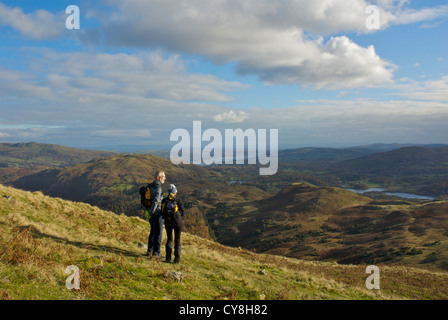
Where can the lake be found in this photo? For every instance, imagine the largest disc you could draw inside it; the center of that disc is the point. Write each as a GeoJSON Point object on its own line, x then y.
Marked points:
{"type": "Point", "coordinates": [397, 194]}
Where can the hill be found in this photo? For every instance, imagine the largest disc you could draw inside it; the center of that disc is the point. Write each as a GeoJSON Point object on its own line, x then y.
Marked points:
{"type": "Point", "coordinates": [21, 159]}
{"type": "Point", "coordinates": [107, 176]}
{"type": "Point", "coordinates": [27, 155]}
{"type": "Point", "coordinates": [340, 154]}
{"type": "Point", "coordinates": [420, 170]}
{"type": "Point", "coordinates": [333, 224]}
{"type": "Point", "coordinates": [112, 183]}
{"type": "Point", "coordinates": [412, 169]}
{"type": "Point", "coordinates": [41, 236]}
{"type": "Point", "coordinates": [321, 154]}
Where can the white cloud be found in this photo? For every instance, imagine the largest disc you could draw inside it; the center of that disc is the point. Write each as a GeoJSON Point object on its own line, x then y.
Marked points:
{"type": "Point", "coordinates": [24, 134]}
{"type": "Point", "coordinates": [85, 77]}
{"type": "Point", "coordinates": [408, 16]}
{"type": "Point", "coordinates": [4, 135]}
{"type": "Point", "coordinates": [231, 117]}
{"type": "Point", "coordinates": [39, 25]}
{"type": "Point", "coordinates": [358, 121]}
{"type": "Point", "coordinates": [432, 90]}
{"type": "Point", "coordinates": [281, 42]}
{"type": "Point", "coordinates": [99, 98]}
{"type": "Point", "coordinates": [109, 100]}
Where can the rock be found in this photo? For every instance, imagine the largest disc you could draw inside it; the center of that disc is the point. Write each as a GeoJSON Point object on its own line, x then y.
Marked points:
{"type": "Point", "coordinates": [225, 288]}
{"type": "Point", "coordinates": [142, 245]}
{"type": "Point", "coordinates": [5, 280]}
{"type": "Point", "coordinates": [176, 275]}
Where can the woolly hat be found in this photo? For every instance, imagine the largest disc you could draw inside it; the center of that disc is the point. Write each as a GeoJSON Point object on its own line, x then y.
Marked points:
{"type": "Point", "coordinates": [172, 188]}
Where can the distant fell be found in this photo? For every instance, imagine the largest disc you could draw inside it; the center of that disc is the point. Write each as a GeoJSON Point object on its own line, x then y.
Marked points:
{"type": "Point", "coordinates": [116, 173]}
{"type": "Point", "coordinates": [26, 155]}
{"type": "Point", "coordinates": [414, 169]}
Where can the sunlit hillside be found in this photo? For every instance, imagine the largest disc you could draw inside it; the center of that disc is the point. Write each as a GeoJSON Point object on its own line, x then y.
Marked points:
{"type": "Point", "coordinates": [41, 236]}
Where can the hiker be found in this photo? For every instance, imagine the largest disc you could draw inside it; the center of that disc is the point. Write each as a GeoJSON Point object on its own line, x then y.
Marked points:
{"type": "Point", "coordinates": [155, 217]}
{"type": "Point", "coordinates": [172, 212]}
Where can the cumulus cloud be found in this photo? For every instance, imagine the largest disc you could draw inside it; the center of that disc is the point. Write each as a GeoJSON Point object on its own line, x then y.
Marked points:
{"type": "Point", "coordinates": [231, 117]}
{"type": "Point", "coordinates": [281, 42]}
{"type": "Point", "coordinates": [39, 25]}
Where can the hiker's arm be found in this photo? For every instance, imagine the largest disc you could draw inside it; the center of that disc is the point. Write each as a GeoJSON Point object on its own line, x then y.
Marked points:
{"type": "Point", "coordinates": [156, 197]}
{"type": "Point", "coordinates": [180, 206]}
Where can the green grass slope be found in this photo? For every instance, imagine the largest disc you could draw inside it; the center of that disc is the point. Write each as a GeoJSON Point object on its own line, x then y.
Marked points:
{"type": "Point", "coordinates": [41, 236]}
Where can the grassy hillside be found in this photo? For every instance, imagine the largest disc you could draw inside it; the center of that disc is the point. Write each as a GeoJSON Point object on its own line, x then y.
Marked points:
{"type": "Point", "coordinates": [333, 224]}
{"type": "Point", "coordinates": [41, 236]}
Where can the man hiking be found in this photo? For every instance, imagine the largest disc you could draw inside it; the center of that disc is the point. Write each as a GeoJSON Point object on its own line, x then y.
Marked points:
{"type": "Point", "coordinates": [172, 212]}
{"type": "Point", "coordinates": [155, 217]}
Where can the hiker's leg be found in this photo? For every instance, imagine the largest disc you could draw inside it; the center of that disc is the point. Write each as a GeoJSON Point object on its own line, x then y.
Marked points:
{"type": "Point", "coordinates": [158, 226]}
{"type": "Point", "coordinates": [177, 234]}
{"type": "Point", "coordinates": [169, 240]}
{"type": "Point", "coordinates": [151, 236]}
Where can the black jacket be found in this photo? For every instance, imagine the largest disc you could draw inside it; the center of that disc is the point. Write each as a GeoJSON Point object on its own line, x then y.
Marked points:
{"type": "Point", "coordinates": [172, 208]}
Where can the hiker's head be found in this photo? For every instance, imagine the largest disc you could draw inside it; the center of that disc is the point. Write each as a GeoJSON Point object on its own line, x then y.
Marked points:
{"type": "Point", "coordinates": [172, 189]}
{"type": "Point", "coordinates": [160, 176]}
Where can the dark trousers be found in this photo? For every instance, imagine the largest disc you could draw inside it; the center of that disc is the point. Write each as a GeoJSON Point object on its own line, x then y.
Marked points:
{"type": "Point", "coordinates": [155, 236]}
{"type": "Point", "coordinates": [176, 226]}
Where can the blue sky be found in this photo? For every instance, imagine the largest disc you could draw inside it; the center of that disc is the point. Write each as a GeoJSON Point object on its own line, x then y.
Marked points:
{"type": "Point", "coordinates": [137, 70]}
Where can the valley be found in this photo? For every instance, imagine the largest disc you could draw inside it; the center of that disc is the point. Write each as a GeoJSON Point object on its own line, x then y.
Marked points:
{"type": "Point", "coordinates": [301, 212]}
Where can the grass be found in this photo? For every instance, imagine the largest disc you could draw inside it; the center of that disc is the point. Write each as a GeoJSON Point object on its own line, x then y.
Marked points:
{"type": "Point", "coordinates": [41, 236]}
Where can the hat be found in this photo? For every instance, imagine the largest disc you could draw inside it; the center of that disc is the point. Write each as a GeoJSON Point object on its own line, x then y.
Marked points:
{"type": "Point", "coordinates": [172, 188]}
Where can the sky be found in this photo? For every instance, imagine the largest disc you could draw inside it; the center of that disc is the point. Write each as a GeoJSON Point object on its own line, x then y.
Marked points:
{"type": "Point", "coordinates": [324, 73]}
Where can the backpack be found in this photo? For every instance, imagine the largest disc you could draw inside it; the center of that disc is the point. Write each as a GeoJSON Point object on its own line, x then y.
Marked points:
{"type": "Point", "coordinates": [171, 209]}
{"type": "Point", "coordinates": [145, 196]}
